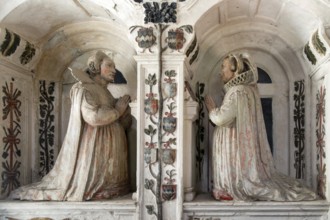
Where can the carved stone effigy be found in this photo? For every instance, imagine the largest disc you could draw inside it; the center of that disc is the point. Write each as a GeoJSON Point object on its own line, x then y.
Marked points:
{"type": "Point", "coordinates": [95, 139]}
{"type": "Point", "coordinates": [243, 166]}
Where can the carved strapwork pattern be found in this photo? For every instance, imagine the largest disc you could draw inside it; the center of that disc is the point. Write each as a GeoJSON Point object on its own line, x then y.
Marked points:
{"type": "Point", "coordinates": [46, 127]}
{"type": "Point", "coordinates": [299, 129]}
{"type": "Point", "coordinates": [11, 151]}
{"type": "Point", "coordinates": [320, 142]}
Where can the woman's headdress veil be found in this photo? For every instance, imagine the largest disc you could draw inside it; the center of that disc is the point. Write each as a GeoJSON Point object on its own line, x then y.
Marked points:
{"type": "Point", "coordinates": [239, 63]}
{"type": "Point", "coordinates": [252, 67]}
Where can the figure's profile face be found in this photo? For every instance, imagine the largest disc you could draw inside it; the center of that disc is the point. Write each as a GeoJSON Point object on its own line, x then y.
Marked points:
{"type": "Point", "coordinates": [108, 70]}
{"type": "Point", "coordinates": [226, 72]}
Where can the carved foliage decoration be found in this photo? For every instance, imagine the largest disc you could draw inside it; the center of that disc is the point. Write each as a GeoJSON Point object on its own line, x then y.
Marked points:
{"type": "Point", "coordinates": [309, 54]}
{"type": "Point", "coordinates": [320, 142]}
{"type": "Point", "coordinates": [169, 186]}
{"type": "Point", "coordinates": [28, 53]}
{"type": "Point", "coordinates": [11, 149]}
{"type": "Point", "coordinates": [10, 43]}
{"type": "Point", "coordinates": [151, 158]}
{"type": "Point", "coordinates": [160, 12]}
{"type": "Point", "coordinates": [160, 153]}
{"type": "Point", "coordinates": [318, 44]}
{"type": "Point", "coordinates": [169, 89]}
{"type": "Point", "coordinates": [151, 103]}
{"type": "Point", "coordinates": [200, 151]}
{"type": "Point", "coordinates": [192, 46]}
{"type": "Point", "coordinates": [46, 126]}
{"type": "Point", "coordinates": [299, 129]}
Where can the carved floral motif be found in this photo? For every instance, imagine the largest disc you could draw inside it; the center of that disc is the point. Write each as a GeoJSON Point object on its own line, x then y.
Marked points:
{"type": "Point", "coordinates": [46, 127]}
{"type": "Point", "coordinates": [320, 142]}
{"type": "Point", "coordinates": [164, 12]}
{"type": "Point", "coordinates": [11, 151]}
{"type": "Point", "coordinates": [299, 129]}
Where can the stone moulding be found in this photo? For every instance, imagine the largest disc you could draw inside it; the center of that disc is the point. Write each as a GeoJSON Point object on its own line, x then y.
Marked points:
{"type": "Point", "coordinates": [205, 208]}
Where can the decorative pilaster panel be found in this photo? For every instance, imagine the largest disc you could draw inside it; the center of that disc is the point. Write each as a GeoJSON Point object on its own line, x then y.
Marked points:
{"type": "Point", "coordinates": [299, 128]}
{"type": "Point", "coordinates": [11, 152]}
{"type": "Point", "coordinates": [14, 133]}
{"type": "Point", "coordinates": [200, 133]}
{"type": "Point", "coordinates": [160, 107]}
{"type": "Point", "coordinates": [320, 142]}
{"type": "Point", "coordinates": [46, 127]}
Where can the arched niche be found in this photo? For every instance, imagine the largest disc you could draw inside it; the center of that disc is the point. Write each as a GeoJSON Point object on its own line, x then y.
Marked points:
{"type": "Point", "coordinates": [279, 59]}
{"type": "Point", "coordinates": [72, 41]}
{"type": "Point", "coordinates": [71, 46]}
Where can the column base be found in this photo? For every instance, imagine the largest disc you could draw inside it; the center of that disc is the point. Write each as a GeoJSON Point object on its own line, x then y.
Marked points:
{"type": "Point", "coordinates": [189, 194]}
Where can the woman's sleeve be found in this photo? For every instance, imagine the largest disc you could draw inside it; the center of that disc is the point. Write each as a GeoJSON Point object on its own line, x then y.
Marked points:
{"type": "Point", "coordinates": [96, 114]}
{"type": "Point", "coordinates": [226, 114]}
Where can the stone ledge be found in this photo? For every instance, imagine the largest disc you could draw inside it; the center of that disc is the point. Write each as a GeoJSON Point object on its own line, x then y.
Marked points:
{"type": "Point", "coordinates": [204, 207]}
{"type": "Point", "coordinates": [121, 208]}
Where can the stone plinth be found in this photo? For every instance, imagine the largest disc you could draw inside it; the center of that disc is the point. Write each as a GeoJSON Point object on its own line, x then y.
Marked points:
{"type": "Point", "coordinates": [204, 207]}
{"type": "Point", "coordinates": [123, 208]}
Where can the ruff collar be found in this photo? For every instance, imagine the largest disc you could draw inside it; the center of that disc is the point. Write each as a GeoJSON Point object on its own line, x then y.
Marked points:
{"type": "Point", "coordinates": [245, 78]}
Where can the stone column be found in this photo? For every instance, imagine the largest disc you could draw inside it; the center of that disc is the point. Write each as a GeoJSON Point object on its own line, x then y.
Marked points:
{"type": "Point", "coordinates": [190, 115]}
